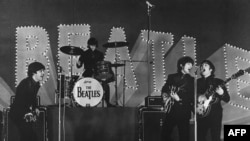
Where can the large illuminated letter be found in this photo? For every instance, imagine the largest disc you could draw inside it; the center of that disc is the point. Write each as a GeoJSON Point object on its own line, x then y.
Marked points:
{"type": "Point", "coordinates": [121, 55]}
{"type": "Point", "coordinates": [72, 35]}
{"type": "Point", "coordinates": [32, 44]}
{"type": "Point", "coordinates": [239, 106]}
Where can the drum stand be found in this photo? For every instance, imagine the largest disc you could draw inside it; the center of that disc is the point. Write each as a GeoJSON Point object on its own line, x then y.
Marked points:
{"type": "Point", "coordinates": [103, 97]}
{"type": "Point", "coordinates": [124, 69]}
{"type": "Point", "coordinates": [69, 50]}
{"type": "Point", "coordinates": [124, 78]}
{"type": "Point", "coordinates": [115, 45]}
{"type": "Point", "coordinates": [116, 94]}
{"type": "Point", "coordinates": [71, 85]}
{"type": "Point", "coordinates": [103, 100]}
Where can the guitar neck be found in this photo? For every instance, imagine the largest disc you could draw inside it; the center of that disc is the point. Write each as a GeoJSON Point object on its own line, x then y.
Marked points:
{"type": "Point", "coordinates": [213, 89]}
{"type": "Point", "coordinates": [209, 92]}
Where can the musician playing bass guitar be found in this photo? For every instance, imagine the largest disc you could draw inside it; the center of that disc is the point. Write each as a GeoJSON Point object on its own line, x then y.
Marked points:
{"type": "Point", "coordinates": [178, 95]}
{"type": "Point", "coordinates": [211, 118]}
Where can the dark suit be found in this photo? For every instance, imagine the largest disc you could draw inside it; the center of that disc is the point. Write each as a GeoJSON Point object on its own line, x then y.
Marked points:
{"type": "Point", "coordinates": [89, 58]}
{"type": "Point", "coordinates": [180, 113]}
{"type": "Point", "coordinates": [26, 97]}
{"type": "Point", "coordinates": [214, 119]}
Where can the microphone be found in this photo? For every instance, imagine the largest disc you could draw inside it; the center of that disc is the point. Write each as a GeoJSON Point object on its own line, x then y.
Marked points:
{"type": "Point", "coordinates": [197, 69]}
{"type": "Point", "coordinates": [149, 4]}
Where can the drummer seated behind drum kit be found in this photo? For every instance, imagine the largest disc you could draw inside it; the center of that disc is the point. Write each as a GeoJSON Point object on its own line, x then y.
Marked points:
{"type": "Point", "coordinates": [88, 89]}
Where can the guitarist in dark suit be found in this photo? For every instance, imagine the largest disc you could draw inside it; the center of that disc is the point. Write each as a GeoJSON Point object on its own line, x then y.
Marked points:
{"type": "Point", "coordinates": [208, 84]}
{"type": "Point", "coordinates": [26, 101]}
{"type": "Point", "coordinates": [179, 87]}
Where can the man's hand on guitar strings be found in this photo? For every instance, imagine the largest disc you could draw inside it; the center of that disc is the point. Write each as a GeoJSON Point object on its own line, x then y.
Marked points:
{"type": "Point", "coordinates": [175, 96]}
{"type": "Point", "coordinates": [219, 91]}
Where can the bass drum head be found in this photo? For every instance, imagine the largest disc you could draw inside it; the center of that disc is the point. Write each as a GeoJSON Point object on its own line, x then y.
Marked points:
{"type": "Point", "coordinates": [88, 92]}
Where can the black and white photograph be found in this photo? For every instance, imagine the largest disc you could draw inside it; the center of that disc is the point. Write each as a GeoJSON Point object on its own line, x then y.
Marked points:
{"type": "Point", "coordinates": [124, 70]}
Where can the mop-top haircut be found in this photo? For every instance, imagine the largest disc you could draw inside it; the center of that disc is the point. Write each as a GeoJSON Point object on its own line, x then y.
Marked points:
{"type": "Point", "coordinates": [34, 67]}
{"type": "Point", "coordinates": [182, 61]}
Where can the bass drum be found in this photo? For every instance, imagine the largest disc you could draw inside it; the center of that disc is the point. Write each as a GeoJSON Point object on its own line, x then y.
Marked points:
{"type": "Point", "coordinates": [88, 92]}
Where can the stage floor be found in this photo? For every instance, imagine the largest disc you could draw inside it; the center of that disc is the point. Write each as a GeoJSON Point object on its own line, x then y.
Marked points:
{"type": "Point", "coordinates": [93, 124]}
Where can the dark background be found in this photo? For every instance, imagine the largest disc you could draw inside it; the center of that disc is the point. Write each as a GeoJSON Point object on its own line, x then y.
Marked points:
{"type": "Point", "coordinates": [212, 22]}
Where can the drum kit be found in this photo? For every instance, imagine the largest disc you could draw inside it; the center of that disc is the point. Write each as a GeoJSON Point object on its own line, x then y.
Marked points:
{"type": "Point", "coordinates": [88, 92]}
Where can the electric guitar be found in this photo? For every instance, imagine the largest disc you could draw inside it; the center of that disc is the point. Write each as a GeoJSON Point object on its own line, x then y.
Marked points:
{"type": "Point", "coordinates": [168, 101]}
{"type": "Point", "coordinates": [31, 116]}
{"type": "Point", "coordinates": [205, 100]}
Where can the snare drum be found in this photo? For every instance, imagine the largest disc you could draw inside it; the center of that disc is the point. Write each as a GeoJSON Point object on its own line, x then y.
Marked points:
{"type": "Point", "coordinates": [88, 92]}
{"type": "Point", "coordinates": [103, 71]}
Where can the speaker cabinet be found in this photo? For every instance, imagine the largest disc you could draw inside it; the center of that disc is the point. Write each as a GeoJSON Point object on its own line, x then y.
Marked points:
{"type": "Point", "coordinates": [11, 133]}
{"type": "Point", "coordinates": [152, 122]}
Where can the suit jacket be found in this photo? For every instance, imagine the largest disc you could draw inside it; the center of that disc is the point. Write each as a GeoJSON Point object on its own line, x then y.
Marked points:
{"type": "Point", "coordinates": [26, 97]}
{"type": "Point", "coordinates": [89, 58]}
{"type": "Point", "coordinates": [203, 84]}
{"type": "Point", "coordinates": [185, 83]}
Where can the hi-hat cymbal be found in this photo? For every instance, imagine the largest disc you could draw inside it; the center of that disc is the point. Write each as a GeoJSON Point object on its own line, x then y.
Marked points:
{"type": "Point", "coordinates": [115, 44]}
{"type": "Point", "coordinates": [71, 50]}
{"type": "Point", "coordinates": [117, 65]}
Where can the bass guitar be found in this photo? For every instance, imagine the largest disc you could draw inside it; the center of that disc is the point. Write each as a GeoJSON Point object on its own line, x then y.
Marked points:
{"type": "Point", "coordinates": [205, 100]}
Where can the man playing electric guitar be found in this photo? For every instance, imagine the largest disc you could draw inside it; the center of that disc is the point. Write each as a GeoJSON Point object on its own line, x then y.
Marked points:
{"type": "Point", "coordinates": [170, 97]}
{"type": "Point", "coordinates": [213, 118]}
{"type": "Point", "coordinates": [178, 91]}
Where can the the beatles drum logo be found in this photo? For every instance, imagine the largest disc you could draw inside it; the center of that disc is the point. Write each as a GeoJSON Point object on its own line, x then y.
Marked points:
{"type": "Point", "coordinates": [88, 92]}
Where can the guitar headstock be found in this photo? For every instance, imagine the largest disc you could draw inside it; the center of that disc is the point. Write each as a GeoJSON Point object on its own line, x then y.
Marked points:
{"type": "Point", "coordinates": [247, 70]}
{"type": "Point", "coordinates": [238, 74]}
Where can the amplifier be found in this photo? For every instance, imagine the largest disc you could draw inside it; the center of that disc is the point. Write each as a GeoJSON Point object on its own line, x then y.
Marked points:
{"type": "Point", "coordinates": [152, 122]}
{"type": "Point", "coordinates": [12, 98]}
{"type": "Point", "coordinates": [153, 101]}
{"type": "Point", "coordinates": [11, 133]}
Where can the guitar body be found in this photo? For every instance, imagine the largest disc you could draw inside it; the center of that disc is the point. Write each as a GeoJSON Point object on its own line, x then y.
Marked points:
{"type": "Point", "coordinates": [168, 102]}
{"type": "Point", "coordinates": [204, 105]}
{"type": "Point", "coordinates": [31, 116]}
{"type": "Point", "coordinates": [205, 100]}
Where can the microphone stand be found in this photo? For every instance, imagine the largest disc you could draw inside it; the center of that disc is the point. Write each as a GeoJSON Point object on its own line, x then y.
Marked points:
{"type": "Point", "coordinates": [59, 107]}
{"type": "Point", "coordinates": [124, 69]}
{"type": "Point", "coordinates": [148, 47]}
{"type": "Point", "coordinates": [195, 103]}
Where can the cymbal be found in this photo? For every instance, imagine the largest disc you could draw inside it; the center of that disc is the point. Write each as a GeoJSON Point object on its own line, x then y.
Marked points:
{"type": "Point", "coordinates": [115, 44]}
{"type": "Point", "coordinates": [117, 65]}
{"type": "Point", "coordinates": [71, 50]}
